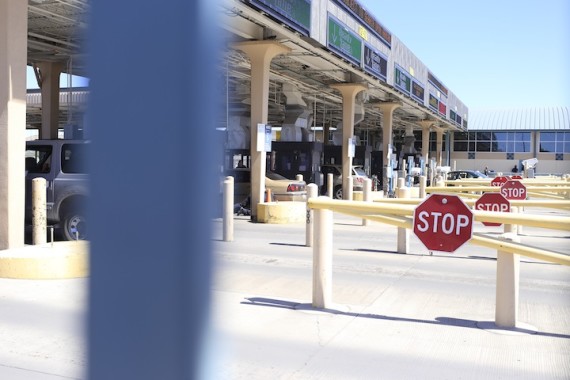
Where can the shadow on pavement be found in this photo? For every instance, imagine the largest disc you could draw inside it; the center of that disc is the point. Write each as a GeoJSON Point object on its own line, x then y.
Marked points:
{"type": "Point", "coordinates": [446, 321]}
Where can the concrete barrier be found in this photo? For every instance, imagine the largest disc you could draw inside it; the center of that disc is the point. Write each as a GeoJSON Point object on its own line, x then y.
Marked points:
{"type": "Point", "coordinates": [60, 260]}
{"type": "Point", "coordinates": [281, 212]}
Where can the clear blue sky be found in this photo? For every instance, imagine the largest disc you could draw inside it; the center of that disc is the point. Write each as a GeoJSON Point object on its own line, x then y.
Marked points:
{"type": "Point", "coordinates": [31, 81]}
{"type": "Point", "coordinates": [490, 53]}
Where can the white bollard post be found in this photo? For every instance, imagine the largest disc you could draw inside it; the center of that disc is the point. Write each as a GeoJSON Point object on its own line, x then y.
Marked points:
{"type": "Point", "coordinates": [228, 211]}
{"type": "Point", "coordinates": [312, 192]}
{"type": "Point", "coordinates": [299, 177]}
{"type": "Point", "coordinates": [423, 184]}
{"type": "Point", "coordinates": [349, 189]}
{"type": "Point", "coordinates": [39, 211]}
{"type": "Point", "coordinates": [507, 288]}
{"type": "Point", "coordinates": [330, 187]}
{"type": "Point", "coordinates": [403, 233]}
{"type": "Point", "coordinates": [322, 258]}
{"type": "Point", "coordinates": [367, 197]}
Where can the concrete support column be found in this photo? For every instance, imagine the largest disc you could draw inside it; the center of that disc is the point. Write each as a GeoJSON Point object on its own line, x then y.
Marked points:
{"type": "Point", "coordinates": [426, 129]}
{"type": "Point", "coordinates": [13, 47]}
{"type": "Point", "coordinates": [439, 143]}
{"type": "Point", "coordinates": [348, 92]}
{"type": "Point", "coordinates": [387, 110]}
{"type": "Point", "coordinates": [49, 77]}
{"type": "Point", "coordinates": [260, 54]}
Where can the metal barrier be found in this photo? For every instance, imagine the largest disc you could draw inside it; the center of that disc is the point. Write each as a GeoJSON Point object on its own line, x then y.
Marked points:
{"type": "Point", "coordinates": [400, 214]}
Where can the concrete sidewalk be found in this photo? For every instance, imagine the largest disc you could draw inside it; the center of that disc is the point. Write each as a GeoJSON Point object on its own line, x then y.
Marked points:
{"type": "Point", "coordinates": [411, 316]}
{"type": "Point", "coordinates": [395, 316]}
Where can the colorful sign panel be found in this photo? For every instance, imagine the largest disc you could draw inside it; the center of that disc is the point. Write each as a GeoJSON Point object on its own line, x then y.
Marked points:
{"type": "Point", "coordinates": [295, 13]}
{"type": "Point", "coordinates": [418, 92]}
{"type": "Point", "coordinates": [362, 14]}
{"type": "Point", "coordinates": [433, 102]}
{"type": "Point", "coordinates": [442, 108]}
{"type": "Point", "coordinates": [402, 80]}
{"type": "Point", "coordinates": [375, 63]}
{"type": "Point", "coordinates": [344, 41]}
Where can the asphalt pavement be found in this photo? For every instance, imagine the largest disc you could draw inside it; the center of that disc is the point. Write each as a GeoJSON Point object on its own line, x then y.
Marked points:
{"type": "Point", "coordinates": [394, 316]}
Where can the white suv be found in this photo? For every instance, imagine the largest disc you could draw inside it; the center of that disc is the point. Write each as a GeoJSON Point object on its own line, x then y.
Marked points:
{"type": "Point", "coordinates": [358, 176]}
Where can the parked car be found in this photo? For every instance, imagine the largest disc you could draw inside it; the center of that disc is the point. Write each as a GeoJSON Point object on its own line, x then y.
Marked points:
{"type": "Point", "coordinates": [464, 174]}
{"type": "Point", "coordinates": [358, 177]}
{"type": "Point", "coordinates": [282, 189]}
{"type": "Point", "coordinates": [62, 164]}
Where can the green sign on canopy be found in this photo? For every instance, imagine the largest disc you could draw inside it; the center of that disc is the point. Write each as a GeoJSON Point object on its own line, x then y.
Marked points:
{"type": "Point", "coordinates": [344, 41]}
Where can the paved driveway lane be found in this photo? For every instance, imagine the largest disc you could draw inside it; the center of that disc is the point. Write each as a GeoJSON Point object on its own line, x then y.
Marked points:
{"type": "Point", "coordinates": [397, 316]}
{"type": "Point", "coordinates": [42, 329]}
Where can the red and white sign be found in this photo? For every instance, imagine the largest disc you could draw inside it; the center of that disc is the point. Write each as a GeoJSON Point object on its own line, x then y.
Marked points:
{"type": "Point", "coordinates": [499, 181]}
{"type": "Point", "coordinates": [516, 177]}
{"type": "Point", "coordinates": [493, 202]}
{"type": "Point", "coordinates": [443, 222]}
{"type": "Point", "coordinates": [514, 189]}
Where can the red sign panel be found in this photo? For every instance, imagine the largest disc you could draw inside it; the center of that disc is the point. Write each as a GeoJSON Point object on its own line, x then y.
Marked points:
{"type": "Point", "coordinates": [493, 202]}
{"type": "Point", "coordinates": [514, 189]}
{"type": "Point", "coordinates": [498, 181]}
{"type": "Point", "coordinates": [443, 222]}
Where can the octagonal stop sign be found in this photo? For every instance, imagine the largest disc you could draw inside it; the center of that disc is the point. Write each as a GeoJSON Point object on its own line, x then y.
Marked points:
{"type": "Point", "coordinates": [443, 222]}
{"type": "Point", "coordinates": [499, 181]}
{"type": "Point", "coordinates": [514, 189]}
{"type": "Point", "coordinates": [492, 202]}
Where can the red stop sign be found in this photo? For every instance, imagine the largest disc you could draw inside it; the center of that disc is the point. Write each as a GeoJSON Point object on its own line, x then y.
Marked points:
{"type": "Point", "coordinates": [514, 189]}
{"type": "Point", "coordinates": [516, 177]}
{"type": "Point", "coordinates": [443, 222]}
{"type": "Point", "coordinates": [492, 202]}
{"type": "Point", "coordinates": [499, 181]}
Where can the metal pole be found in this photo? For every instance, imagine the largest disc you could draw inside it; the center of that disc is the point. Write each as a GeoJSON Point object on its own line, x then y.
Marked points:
{"type": "Point", "coordinates": [367, 197]}
{"type": "Point", "coordinates": [312, 192]}
{"type": "Point", "coordinates": [507, 289]}
{"type": "Point", "coordinates": [39, 219]}
{"type": "Point", "coordinates": [228, 217]}
{"type": "Point", "coordinates": [322, 258]}
{"type": "Point", "coordinates": [423, 184]}
{"type": "Point", "coordinates": [349, 189]}
{"type": "Point", "coordinates": [330, 187]}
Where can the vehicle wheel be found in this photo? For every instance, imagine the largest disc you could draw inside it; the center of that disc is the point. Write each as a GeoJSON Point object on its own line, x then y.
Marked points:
{"type": "Point", "coordinates": [338, 192]}
{"type": "Point", "coordinates": [74, 226]}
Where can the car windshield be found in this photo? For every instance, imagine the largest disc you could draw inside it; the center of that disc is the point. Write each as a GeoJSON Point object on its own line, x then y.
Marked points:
{"type": "Point", "coordinates": [359, 171]}
{"type": "Point", "coordinates": [274, 176]}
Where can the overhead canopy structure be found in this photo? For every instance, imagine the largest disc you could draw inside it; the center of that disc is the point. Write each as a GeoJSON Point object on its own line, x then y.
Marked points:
{"type": "Point", "coordinates": [56, 33]}
{"type": "Point", "coordinates": [364, 52]}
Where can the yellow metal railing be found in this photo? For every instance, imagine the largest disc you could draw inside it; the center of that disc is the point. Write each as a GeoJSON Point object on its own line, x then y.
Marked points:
{"type": "Point", "coordinates": [400, 214]}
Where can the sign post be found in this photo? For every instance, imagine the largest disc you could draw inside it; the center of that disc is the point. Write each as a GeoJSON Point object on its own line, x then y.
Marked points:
{"type": "Point", "coordinates": [443, 222]}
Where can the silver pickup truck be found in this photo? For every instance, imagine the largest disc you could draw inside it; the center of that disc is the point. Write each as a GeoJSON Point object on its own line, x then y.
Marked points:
{"type": "Point", "coordinates": [63, 164]}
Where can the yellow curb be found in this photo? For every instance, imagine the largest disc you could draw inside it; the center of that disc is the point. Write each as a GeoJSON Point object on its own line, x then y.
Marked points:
{"type": "Point", "coordinates": [58, 261]}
